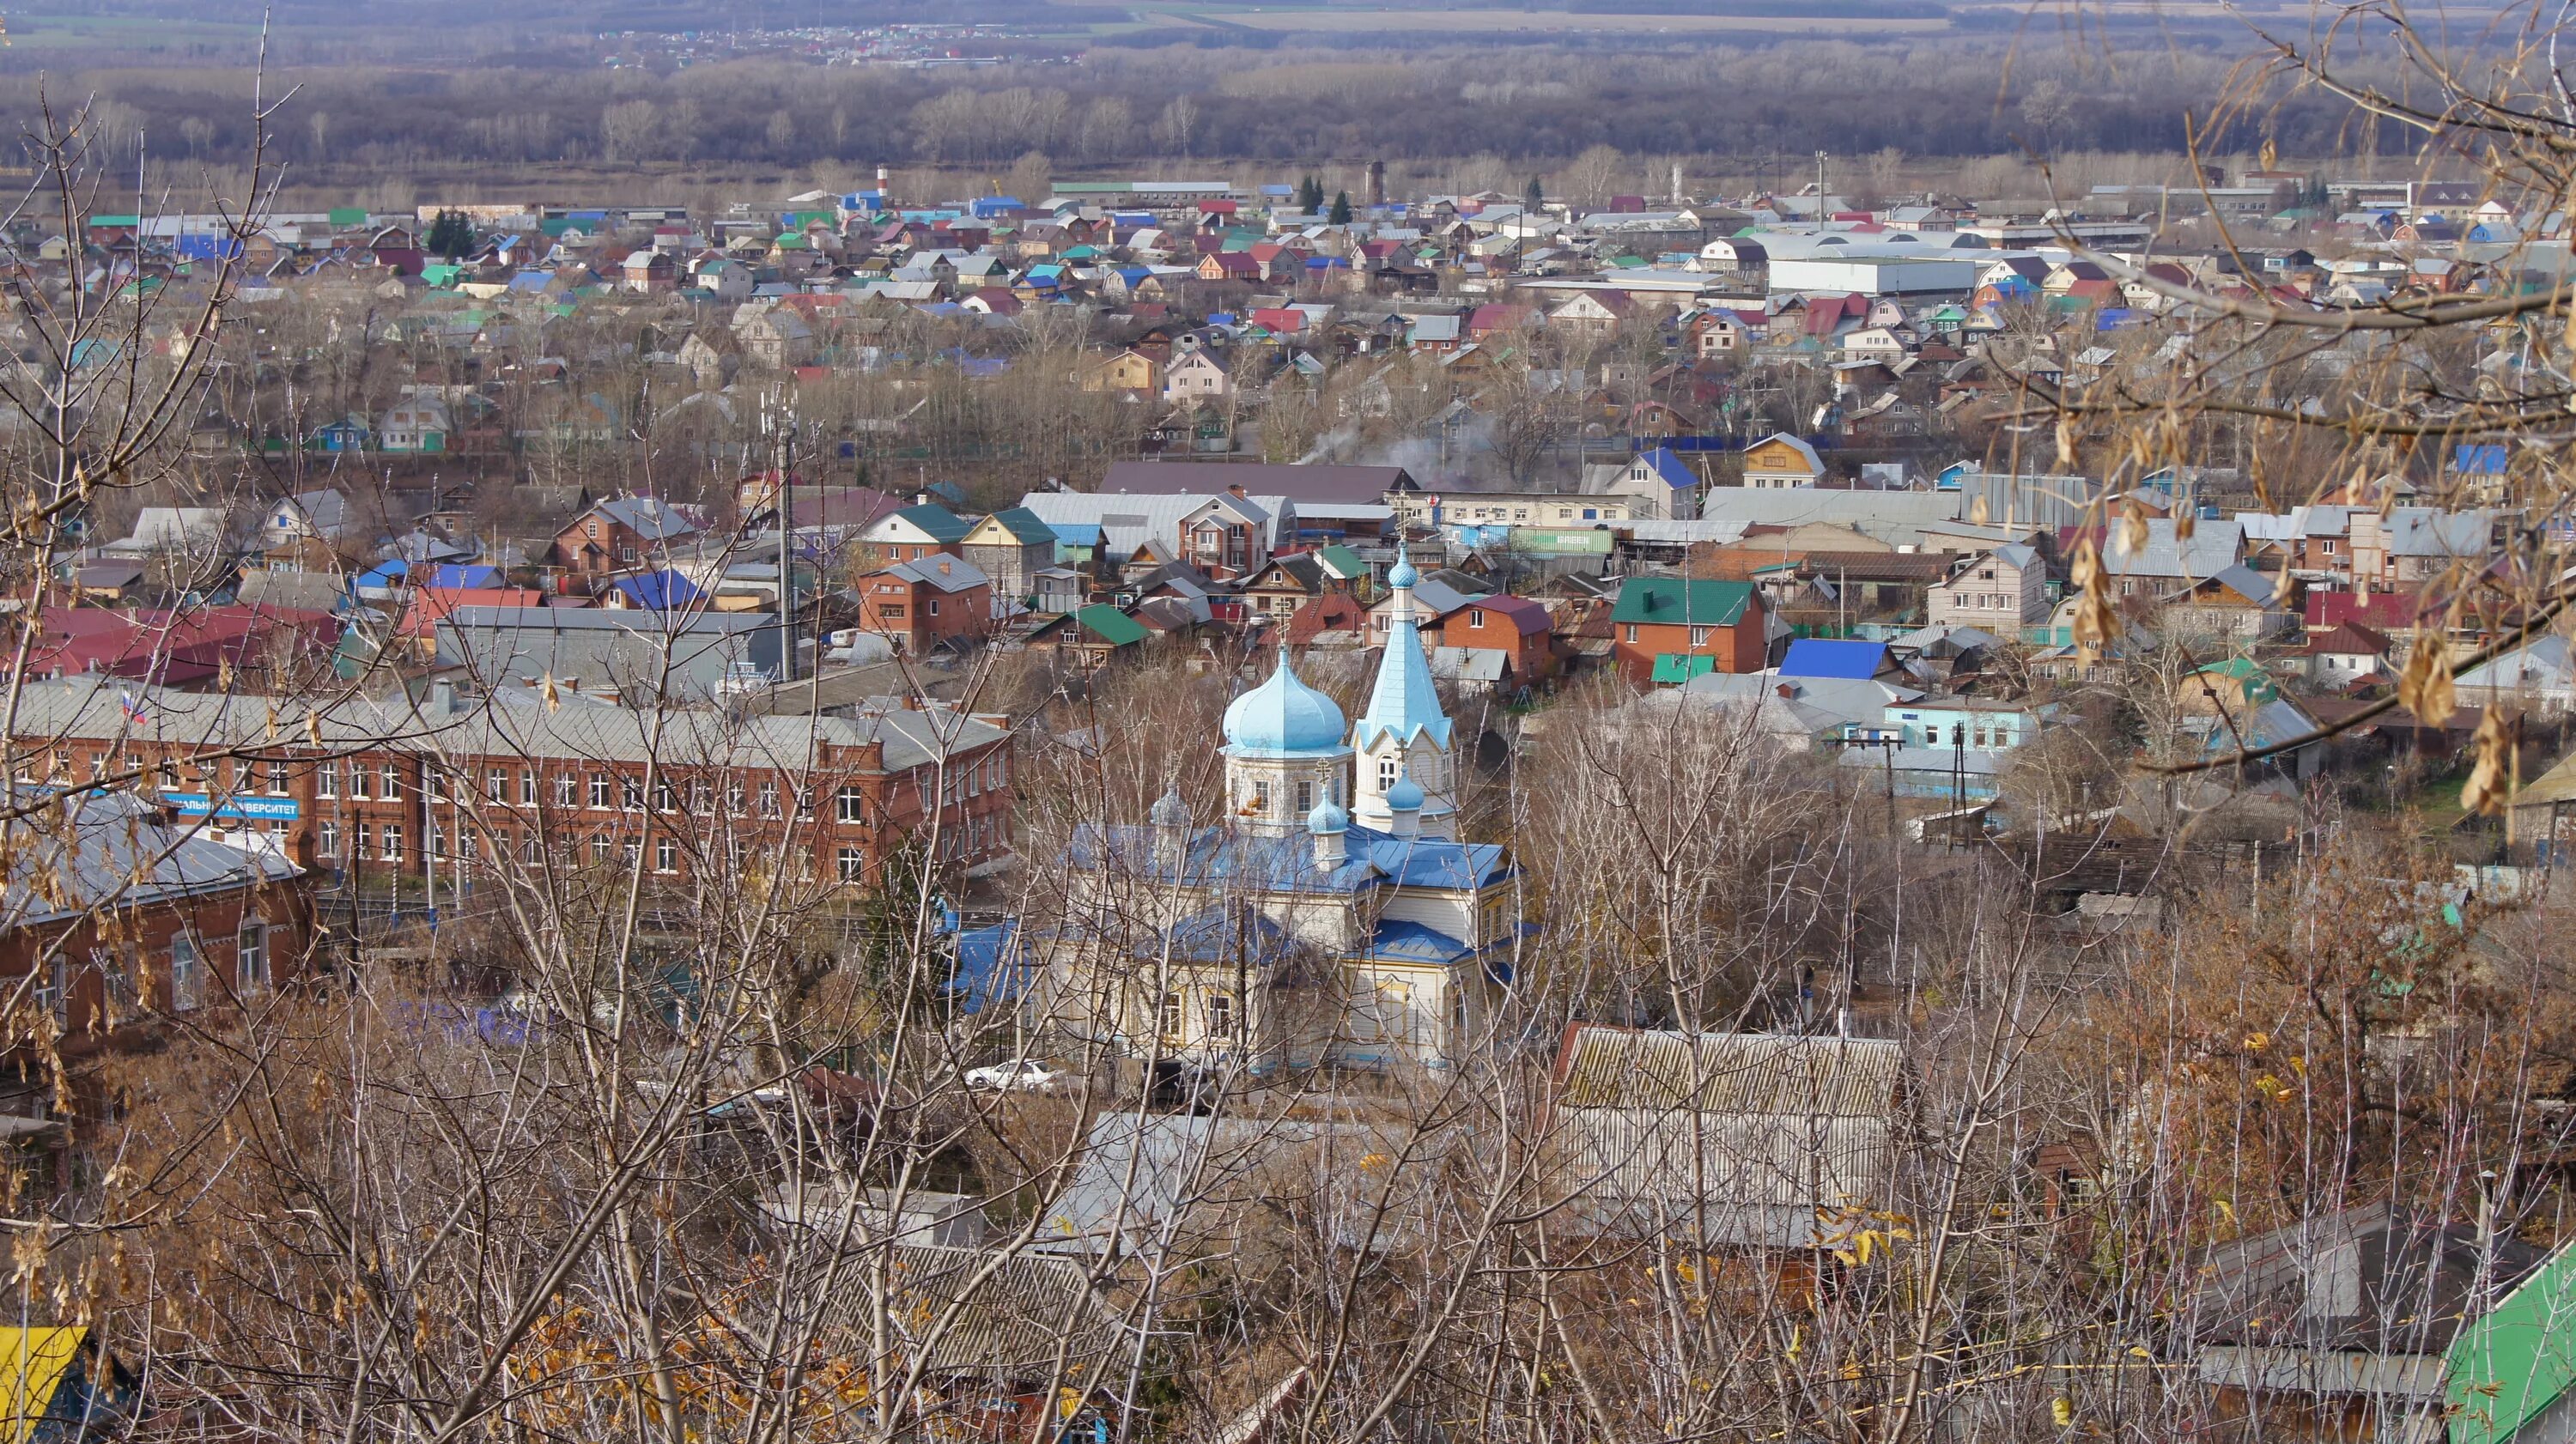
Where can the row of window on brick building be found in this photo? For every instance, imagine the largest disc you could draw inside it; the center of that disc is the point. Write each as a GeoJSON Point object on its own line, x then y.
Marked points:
{"type": "Point", "coordinates": [583, 790]}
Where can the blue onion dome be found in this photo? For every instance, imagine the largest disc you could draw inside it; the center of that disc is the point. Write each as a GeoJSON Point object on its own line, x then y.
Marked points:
{"type": "Point", "coordinates": [1283, 717]}
{"type": "Point", "coordinates": [1170, 811]}
{"type": "Point", "coordinates": [1405, 795]}
{"type": "Point", "coordinates": [1402, 573]}
{"type": "Point", "coordinates": [1328, 817]}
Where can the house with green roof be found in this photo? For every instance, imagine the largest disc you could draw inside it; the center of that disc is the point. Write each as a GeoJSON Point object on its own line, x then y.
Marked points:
{"type": "Point", "coordinates": [1093, 634]}
{"type": "Point", "coordinates": [918, 531]}
{"type": "Point", "coordinates": [1687, 620]}
{"type": "Point", "coordinates": [1012, 546]}
{"type": "Point", "coordinates": [2505, 1374]}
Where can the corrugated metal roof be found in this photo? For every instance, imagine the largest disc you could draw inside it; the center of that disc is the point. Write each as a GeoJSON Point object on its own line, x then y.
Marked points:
{"type": "Point", "coordinates": [1730, 1072]}
{"type": "Point", "coordinates": [1022, 1318]}
{"type": "Point", "coordinates": [512, 720]}
{"type": "Point", "coordinates": [1744, 1138]}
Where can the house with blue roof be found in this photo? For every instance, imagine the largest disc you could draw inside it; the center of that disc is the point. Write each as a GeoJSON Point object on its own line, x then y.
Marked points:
{"type": "Point", "coordinates": [1320, 910]}
{"type": "Point", "coordinates": [1849, 661]}
{"type": "Point", "coordinates": [1658, 484]}
{"type": "Point", "coordinates": [662, 590]}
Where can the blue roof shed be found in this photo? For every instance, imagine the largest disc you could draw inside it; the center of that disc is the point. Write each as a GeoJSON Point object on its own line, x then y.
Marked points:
{"type": "Point", "coordinates": [1823, 657]}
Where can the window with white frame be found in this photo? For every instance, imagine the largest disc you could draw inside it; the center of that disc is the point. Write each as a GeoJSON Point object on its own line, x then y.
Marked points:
{"type": "Point", "coordinates": [187, 982]}
{"type": "Point", "coordinates": [853, 864]}
{"type": "Point", "coordinates": [599, 791]}
{"type": "Point", "coordinates": [851, 805]}
{"type": "Point", "coordinates": [250, 955]}
{"type": "Point", "coordinates": [666, 856]}
{"type": "Point", "coordinates": [393, 842]}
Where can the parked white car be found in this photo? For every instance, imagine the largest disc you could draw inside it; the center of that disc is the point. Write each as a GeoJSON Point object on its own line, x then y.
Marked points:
{"type": "Point", "coordinates": [1020, 1075]}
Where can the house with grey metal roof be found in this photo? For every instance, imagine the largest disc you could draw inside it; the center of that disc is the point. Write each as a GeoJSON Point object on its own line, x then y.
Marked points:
{"type": "Point", "coordinates": [1748, 1140]}
{"type": "Point", "coordinates": [680, 655]}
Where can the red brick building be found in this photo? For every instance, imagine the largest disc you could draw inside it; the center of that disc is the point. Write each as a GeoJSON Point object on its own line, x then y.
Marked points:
{"type": "Point", "coordinates": [1515, 626]}
{"type": "Point", "coordinates": [147, 913]}
{"type": "Point", "coordinates": [389, 787]}
{"type": "Point", "coordinates": [1670, 629]}
{"type": "Point", "coordinates": [920, 605]}
{"type": "Point", "coordinates": [619, 535]}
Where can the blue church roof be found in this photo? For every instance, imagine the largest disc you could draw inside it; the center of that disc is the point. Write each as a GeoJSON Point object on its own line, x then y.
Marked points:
{"type": "Point", "coordinates": [1228, 935]}
{"type": "Point", "coordinates": [1403, 942]}
{"type": "Point", "coordinates": [1283, 717]}
{"type": "Point", "coordinates": [1219, 856]}
{"type": "Point", "coordinates": [1405, 704]}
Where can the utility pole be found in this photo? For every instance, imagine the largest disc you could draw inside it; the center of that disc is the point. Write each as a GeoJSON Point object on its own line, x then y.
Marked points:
{"type": "Point", "coordinates": [1820, 187]}
{"type": "Point", "coordinates": [780, 424]}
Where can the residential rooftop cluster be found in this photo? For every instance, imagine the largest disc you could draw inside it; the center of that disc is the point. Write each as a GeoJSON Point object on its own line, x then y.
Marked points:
{"type": "Point", "coordinates": [713, 552]}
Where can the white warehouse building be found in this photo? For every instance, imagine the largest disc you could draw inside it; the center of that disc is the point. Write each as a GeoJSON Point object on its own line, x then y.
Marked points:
{"type": "Point", "coordinates": [1874, 275]}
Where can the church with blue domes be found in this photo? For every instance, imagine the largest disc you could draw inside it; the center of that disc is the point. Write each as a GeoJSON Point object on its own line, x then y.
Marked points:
{"type": "Point", "coordinates": [1330, 914]}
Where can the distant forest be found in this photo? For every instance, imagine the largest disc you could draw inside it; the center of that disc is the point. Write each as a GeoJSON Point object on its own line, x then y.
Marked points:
{"type": "Point", "coordinates": [1517, 111]}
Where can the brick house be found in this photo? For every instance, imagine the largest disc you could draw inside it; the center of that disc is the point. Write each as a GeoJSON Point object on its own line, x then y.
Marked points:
{"type": "Point", "coordinates": [1517, 627]}
{"type": "Point", "coordinates": [1226, 536]}
{"type": "Point", "coordinates": [614, 536]}
{"type": "Point", "coordinates": [920, 605]}
{"type": "Point", "coordinates": [1671, 629]}
{"type": "Point", "coordinates": [151, 913]}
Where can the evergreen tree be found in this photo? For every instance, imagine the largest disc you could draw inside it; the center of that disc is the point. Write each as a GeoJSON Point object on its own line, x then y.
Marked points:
{"type": "Point", "coordinates": [1341, 208]}
{"type": "Point", "coordinates": [1533, 199]}
{"type": "Point", "coordinates": [1310, 195]}
{"type": "Point", "coordinates": [450, 235]}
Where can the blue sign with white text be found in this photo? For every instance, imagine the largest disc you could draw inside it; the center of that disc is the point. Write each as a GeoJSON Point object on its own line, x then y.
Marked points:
{"type": "Point", "coordinates": [196, 804]}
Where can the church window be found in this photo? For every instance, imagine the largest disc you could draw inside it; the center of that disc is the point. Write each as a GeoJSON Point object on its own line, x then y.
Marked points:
{"type": "Point", "coordinates": [1261, 796]}
{"type": "Point", "coordinates": [1386, 771]}
{"type": "Point", "coordinates": [1305, 796]}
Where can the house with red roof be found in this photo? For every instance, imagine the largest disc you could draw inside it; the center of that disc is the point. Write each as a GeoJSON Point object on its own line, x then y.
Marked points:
{"type": "Point", "coordinates": [187, 648]}
{"type": "Point", "coordinates": [2346, 656]}
{"type": "Point", "coordinates": [2381, 612]}
{"type": "Point", "coordinates": [1229, 266]}
{"type": "Point", "coordinates": [1335, 619]}
{"type": "Point", "coordinates": [1827, 317]}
